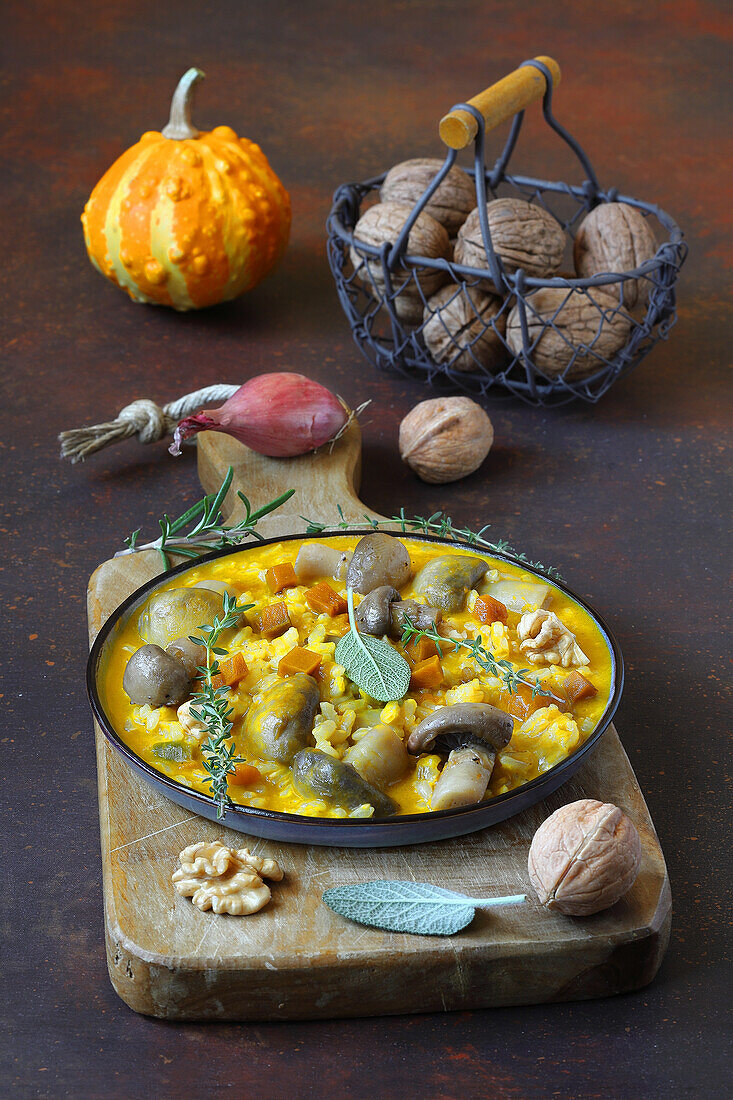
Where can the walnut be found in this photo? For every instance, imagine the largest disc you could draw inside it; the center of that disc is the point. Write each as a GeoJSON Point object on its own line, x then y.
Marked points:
{"type": "Point", "coordinates": [445, 438]}
{"type": "Point", "coordinates": [616, 237]}
{"type": "Point", "coordinates": [583, 330]}
{"type": "Point", "coordinates": [545, 640]}
{"type": "Point", "coordinates": [224, 879]}
{"type": "Point", "coordinates": [193, 726]}
{"type": "Point", "coordinates": [449, 205]}
{"type": "Point", "coordinates": [584, 857]}
{"type": "Point", "coordinates": [523, 235]}
{"type": "Point", "coordinates": [382, 223]}
{"type": "Point", "coordinates": [457, 330]}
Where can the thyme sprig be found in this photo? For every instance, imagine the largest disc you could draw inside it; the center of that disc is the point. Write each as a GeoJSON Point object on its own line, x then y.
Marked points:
{"type": "Point", "coordinates": [483, 657]}
{"type": "Point", "coordinates": [438, 524]}
{"type": "Point", "coordinates": [210, 706]}
{"type": "Point", "coordinates": [209, 532]}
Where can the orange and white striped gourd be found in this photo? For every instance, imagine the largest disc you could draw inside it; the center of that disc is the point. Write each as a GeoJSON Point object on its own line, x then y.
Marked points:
{"type": "Point", "coordinates": [187, 219]}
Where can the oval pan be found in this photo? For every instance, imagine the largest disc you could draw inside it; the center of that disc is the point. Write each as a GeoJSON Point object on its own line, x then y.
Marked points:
{"type": "Point", "coordinates": [348, 832]}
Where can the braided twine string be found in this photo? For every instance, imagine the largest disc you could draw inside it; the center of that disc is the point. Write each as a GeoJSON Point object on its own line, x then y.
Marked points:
{"type": "Point", "coordinates": [143, 418]}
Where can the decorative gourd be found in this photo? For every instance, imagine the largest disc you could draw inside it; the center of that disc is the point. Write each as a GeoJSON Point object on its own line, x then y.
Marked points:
{"type": "Point", "coordinates": [185, 218]}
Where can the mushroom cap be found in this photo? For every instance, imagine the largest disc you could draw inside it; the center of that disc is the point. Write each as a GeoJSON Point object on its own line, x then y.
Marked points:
{"type": "Point", "coordinates": [373, 613]}
{"type": "Point", "coordinates": [378, 559]}
{"type": "Point", "coordinates": [155, 677]}
{"type": "Point", "coordinates": [460, 725]}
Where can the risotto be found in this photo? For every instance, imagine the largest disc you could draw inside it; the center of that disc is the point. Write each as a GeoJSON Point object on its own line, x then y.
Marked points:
{"type": "Point", "coordinates": [281, 657]}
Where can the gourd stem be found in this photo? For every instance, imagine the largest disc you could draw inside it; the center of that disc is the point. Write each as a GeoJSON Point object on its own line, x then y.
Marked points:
{"type": "Point", "coordinates": [179, 125]}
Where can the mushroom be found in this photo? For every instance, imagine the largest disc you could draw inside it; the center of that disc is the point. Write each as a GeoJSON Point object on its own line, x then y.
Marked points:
{"type": "Point", "coordinates": [281, 721]}
{"type": "Point", "coordinates": [379, 559]}
{"type": "Point", "coordinates": [317, 774]}
{"type": "Point", "coordinates": [373, 613]}
{"type": "Point", "coordinates": [155, 677]}
{"type": "Point", "coordinates": [419, 614]}
{"type": "Point", "coordinates": [318, 560]}
{"type": "Point", "coordinates": [474, 732]}
{"type": "Point", "coordinates": [379, 757]}
{"type": "Point", "coordinates": [177, 613]}
{"type": "Point", "coordinates": [445, 581]}
{"type": "Point", "coordinates": [193, 656]}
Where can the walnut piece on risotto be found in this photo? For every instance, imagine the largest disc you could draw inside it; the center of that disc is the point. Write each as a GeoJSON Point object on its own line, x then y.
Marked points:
{"type": "Point", "coordinates": [224, 879]}
{"type": "Point", "coordinates": [545, 640]}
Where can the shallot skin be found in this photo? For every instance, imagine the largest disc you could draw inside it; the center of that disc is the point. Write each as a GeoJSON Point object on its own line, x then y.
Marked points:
{"type": "Point", "coordinates": [279, 415]}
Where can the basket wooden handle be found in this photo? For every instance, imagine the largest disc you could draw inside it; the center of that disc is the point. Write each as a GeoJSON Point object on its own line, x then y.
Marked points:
{"type": "Point", "coordinates": [499, 102]}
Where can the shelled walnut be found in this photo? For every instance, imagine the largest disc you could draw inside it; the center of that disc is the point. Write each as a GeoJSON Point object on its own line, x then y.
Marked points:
{"type": "Point", "coordinates": [450, 205]}
{"type": "Point", "coordinates": [458, 329]}
{"type": "Point", "coordinates": [573, 329]}
{"type": "Point", "coordinates": [224, 879]}
{"type": "Point", "coordinates": [616, 237]}
{"type": "Point", "coordinates": [584, 857]}
{"type": "Point", "coordinates": [383, 223]}
{"type": "Point", "coordinates": [545, 640]}
{"type": "Point", "coordinates": [522, 234]}
{"type": "Point", "coordinates": [445, 438]}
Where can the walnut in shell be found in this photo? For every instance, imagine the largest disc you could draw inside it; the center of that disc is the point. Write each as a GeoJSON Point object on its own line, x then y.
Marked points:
{"type": "Point", "coordinates": [450, 204]}
{"type": "Point", "coordinates": [575, 331]}
{"type": "Point", "coordinates": [445, 438]}
{"type": "Point", "coordinates": [458, 329]}
{"type": "Point", "coordinates": [616, 237]}
{"type": "Point", "coordinates": [584, 857]}
{"type": "Point", "coordinates": [224, 879]}
{"type": "Point", "coordinates": [383, 223]}
{"type": "Point", "coordinates": [523, 235]}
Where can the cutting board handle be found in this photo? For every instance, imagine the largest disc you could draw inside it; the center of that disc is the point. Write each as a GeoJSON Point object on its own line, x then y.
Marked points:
{"type": "Point", "coordinates": [322, 481]}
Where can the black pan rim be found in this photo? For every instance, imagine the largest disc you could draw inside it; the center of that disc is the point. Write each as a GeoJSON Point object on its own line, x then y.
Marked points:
{"type": "Point", "coordinates": [570, 763]}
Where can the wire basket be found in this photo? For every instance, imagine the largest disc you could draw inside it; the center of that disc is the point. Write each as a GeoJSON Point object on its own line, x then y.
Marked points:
{"type": "Point", "coordinates": [544, 360]}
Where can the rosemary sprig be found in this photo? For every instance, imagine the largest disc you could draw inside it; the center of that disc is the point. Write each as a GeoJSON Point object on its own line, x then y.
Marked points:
{"type": "Point", "coordinates": [438, 524]}
{"type": "Point", "coordinates": [209, 705]}
{"type": "Point", "coordinates": [483, 657]}
{"type": "Point", "coordinates": [209, 532]}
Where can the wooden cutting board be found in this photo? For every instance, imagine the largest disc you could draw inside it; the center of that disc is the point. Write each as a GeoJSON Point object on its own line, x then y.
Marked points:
{"type": "Point", "coordinates": [296, 959]}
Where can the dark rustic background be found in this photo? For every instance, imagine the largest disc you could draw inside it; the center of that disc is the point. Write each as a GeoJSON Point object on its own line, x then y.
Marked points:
{"type": "Point", "coordinates": [627, 498]}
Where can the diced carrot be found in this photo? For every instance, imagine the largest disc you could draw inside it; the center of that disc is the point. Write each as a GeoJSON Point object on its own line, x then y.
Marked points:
{"type": "Point", "coordinates": [488, 610]}
{"type": "Point", "coordinates": [231, 671]}
{"type": "Point", "coordinates": [281, 576]}
{"type": "Point", "coordinates": [576, 687]}
{"type": "Point", "coordinates": [245, 775]}
{"type": "Point", "coordinates": [273, 620]}
{"type": "Point", "coordinates": [299, 660]}
{"type": "Point", "coordinates": [520, 703]}
{"type": "Point", "coordinates": [426, 674]}
{"type": "Point", "coordinates": [322, 598]}
{"type": "Point", "coordinates": [420, 649]}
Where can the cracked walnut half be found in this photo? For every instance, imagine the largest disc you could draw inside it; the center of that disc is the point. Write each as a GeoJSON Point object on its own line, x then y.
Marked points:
{"type": "Point", "coordinates": [545, 640]}
{"type": "Point", "coordinates": [225, 879]}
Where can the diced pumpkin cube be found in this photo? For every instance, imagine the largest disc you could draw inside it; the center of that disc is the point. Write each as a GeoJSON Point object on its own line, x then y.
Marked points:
{"type": "Point", "coordinates": [419, 649]}
{"type": "Point", "coordinates": [576, 687]}
{"type": "Point", "coordinates": [281, 576]}
{"type": "Point", "coordinates": [426, 674]}
{"type": "Point", "coordinates": [520, 703]}
{"type": "Point", "coordinates": [273, 620]}
{"type": "Point", "coordinates": [299, 660]}
{"type": "Point", "coordinates": [322, 598]}
{"type": "Point", "coordinates": [488, 610]}
{"type": "Point", "coordinates": [245, 775]}
{"type": "Point", "coordinates": [231, 671]}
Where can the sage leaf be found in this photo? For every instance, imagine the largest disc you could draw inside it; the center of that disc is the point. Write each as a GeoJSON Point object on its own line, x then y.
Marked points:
{"type": "Point", "coordinates": [372, 663]}
{"type": "Point", "coordinates": [416, 907]}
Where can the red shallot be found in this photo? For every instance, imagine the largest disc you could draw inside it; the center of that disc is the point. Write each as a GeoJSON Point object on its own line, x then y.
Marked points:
{"type": "Point", "coordinates": [279, 415]}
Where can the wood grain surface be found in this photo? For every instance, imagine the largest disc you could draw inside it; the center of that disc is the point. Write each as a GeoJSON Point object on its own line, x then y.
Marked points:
{"type": "Point", "coordinates": [630, 499]}
{"type": "Point", "coordinates": [298, 960]}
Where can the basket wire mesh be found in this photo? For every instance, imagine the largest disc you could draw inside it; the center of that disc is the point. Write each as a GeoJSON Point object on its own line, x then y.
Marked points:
{"type": "Point", "coordinates": [386, 292]}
